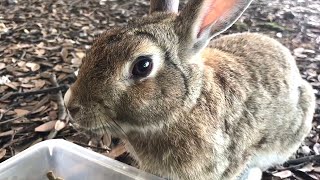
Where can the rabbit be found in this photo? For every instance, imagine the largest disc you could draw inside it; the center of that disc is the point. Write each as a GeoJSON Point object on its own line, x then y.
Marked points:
{"type": "Point", "coordinates": [191, 106]}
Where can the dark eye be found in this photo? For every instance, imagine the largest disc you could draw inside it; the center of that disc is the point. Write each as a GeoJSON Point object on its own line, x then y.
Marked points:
{"type": "Point", "coordinates": [142, 67]}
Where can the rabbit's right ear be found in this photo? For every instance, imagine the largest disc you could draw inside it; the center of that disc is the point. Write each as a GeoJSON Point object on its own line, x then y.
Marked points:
{"type": "Point", "coordinates": [201, 20]}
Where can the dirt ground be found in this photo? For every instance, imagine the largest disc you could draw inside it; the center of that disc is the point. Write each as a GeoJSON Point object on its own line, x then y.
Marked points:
{"type": "Point", "coordinates": [41, 38]}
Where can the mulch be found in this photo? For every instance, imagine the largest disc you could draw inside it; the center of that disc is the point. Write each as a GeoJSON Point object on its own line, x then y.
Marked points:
{"type": "Point", "coordinates": [42, 44]}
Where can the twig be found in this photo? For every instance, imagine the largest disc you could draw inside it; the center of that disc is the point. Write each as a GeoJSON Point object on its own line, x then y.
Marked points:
{"type": "Point", "coordinates": [62, 110]}
{"type": "Point", "coordinates": [41, 91]}
{"type": "Point", "coordinates": [302, 160]}
{"type": "Point", "coordinates": [63, 115]}
{"type": "Point", "coordinates": [9, 120]}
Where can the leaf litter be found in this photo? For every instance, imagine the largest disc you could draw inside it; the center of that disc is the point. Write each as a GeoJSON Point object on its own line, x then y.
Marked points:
{"type": "Point", "coordinates": [55, 41]}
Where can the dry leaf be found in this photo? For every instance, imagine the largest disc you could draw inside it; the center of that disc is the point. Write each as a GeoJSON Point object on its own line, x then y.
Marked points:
{"type": "Point", "coordinates": [10, 132]}
{"type": "Point", "coordinates": [46, 127]}
{"type": "Point", "coordinates": [76, 61]}
{"type": "Point", "coordinates": [27, 85]}
{"type": "Point", "coordinates": [316, 148]}
{"type": "Point", "coordinates": [316, 169]}
{"type": "Point", "coordinates": [60, 125]}
{"type": "Point", "coordinates": [2, 153]}
{"type": "Point", "coordinates": [57, 67]}
{"type": "Point", "coordinates": [40, 52]}
{"type": "Point", "coordinates": [64, 54]}
{"type": "Point", "coordinates": [13, 85]}
{"type": "Point", "coordinates": [117, 151]}
{"type": "Point", "coordinates": [33, 66]}
{"type": "Point", "coordinates": [106, 139]}
{"type": "Point", "coordinates": [7, 133]}
{"type": "Point", "coordinates": [21, 112]}
{"type": "Point", "coordinates": [283, 174]}
{"type": "Point", "coordinates": [53, 115]}
{"type": "Point", "coordinates": [39, 83]}
{"type": "Point", "coordinates": [10, 113]}
{"type": "Point", "coordinates": [42, 108]}
{"type": "Point", "coordinates": [2, 66]}
{"type": "Point", "coordinates": [80, 54]}
{"type": "Point", "coordinates": [307, 168]}
{"type": "Point", "coordinates": [3, 89]}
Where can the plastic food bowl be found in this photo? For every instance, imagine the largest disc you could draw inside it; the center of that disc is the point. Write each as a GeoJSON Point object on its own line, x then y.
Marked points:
{"type": "Point", "coordinates": [68, 161]}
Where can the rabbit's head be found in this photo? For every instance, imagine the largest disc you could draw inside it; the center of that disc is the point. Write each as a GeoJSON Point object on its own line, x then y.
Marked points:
{"type": "Point", "coordinates": [137, 77]}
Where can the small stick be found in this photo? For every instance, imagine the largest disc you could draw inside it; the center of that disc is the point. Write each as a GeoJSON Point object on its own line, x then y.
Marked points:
{"type": "Point", "coordinates": [63, 115]}
{"type": "Point", "coordinates": [62, 110]}
{"type": "Point", "coordinates": [303, 160]}
{"type": "Point", "coordinates": [9, 120]}
{"type": "Point", "coordinates": [41, 91]}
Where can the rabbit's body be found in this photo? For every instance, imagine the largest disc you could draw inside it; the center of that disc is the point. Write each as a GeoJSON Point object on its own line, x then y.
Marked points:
{"type": "Point", "coordinates": [260, 110]}
{"type": "Point", "coordinates": [190, 112]}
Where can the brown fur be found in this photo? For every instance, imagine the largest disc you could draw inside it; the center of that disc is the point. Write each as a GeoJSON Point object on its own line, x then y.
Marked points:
{"type": "Point", "coordinates": [240, 103]}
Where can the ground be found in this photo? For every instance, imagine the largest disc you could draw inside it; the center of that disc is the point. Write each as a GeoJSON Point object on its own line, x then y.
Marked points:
{"type": "Point", "coordinates": [39, 39]}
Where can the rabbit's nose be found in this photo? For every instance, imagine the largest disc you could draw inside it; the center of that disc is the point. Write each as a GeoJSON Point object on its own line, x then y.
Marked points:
{"type": "Point", "coordinates": [71, 105]}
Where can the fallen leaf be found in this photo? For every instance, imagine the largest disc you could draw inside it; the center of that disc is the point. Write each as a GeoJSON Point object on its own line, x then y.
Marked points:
{"type": "Point", "coordinates": [76, 61]}
{"type": "Point", "coordinates": [2, 153]}
{"type": "Point", "coordinates": [40, 52]}
{"type": "Point", "coordinates": [10, 113]}
{"type": "Point", "coordinates": [64, 54]}
{"type": "Point", "coordinates": [3, 89]}
{"type": "Point", "coordinates": [2, 66]}
{"type": "Point", "coordinates": [27, 85]}
{"type": "Point", "coordinates": [33, 66]}
{"type": "Point", "coordinates": [316, 169]}
{"type": "Point", "coordinates": [60, 125]}
{"type": "Point", "coordinates": [106, 139]}
{"type": "Point", "coordinates": [57, 67]}
{"type": "Point", "coordinates": [39, 83]}
{"type": "Point", "coordinates": [316, 148]}
{"type": "Point", "coordinates": [13, 85]}
{"type": "Point", "coordinates": [80, 54]}
{"type": "Point", "coordinates": [4, 79]}
{"type": "Point", "coordinates": [21, 112]}
{"type": "Point", "coordinates": [283, 174]}
{"type": "Point", "coordinates": [307, 168]}
{"type": "Point", "coordinates": [45, 127]}
{"type": "Point", "coordinates": [305, 150]}
{"type": "Point", "coordinates": [21, 63]}
{"type": "Point", "coordinates": [10, 132]}
{"type": "Point", "coordinates": [117, 151]}
{"type": "Point", "coordinates": [53, 115]}
{"type": "Point", "coordinates": [42, 108]}
{"type": "Point", "coordinates": [7, 133]}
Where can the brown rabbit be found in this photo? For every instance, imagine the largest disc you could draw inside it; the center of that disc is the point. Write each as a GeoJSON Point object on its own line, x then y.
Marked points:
{"type": "Point", "coordinates": [190, 109]}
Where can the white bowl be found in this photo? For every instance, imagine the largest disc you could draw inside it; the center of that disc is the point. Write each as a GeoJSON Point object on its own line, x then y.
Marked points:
{"type": "Point", "coordinates": [68, 161]}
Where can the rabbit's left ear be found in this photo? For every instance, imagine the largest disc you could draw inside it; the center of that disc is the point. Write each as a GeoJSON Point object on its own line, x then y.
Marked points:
{"type": "Point", "coordinates": [201, 20]}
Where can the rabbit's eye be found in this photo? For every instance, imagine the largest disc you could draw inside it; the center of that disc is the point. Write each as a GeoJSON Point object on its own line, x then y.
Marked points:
{"type": "Point", "coordinates": [142, 67]}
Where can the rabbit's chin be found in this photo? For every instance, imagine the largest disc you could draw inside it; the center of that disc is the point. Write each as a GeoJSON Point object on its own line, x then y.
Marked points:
{"type": "Point", "coordinates": [93, 132]}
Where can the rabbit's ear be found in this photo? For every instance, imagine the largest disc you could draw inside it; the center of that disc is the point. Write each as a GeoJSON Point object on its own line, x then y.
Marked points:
{"type": "Point", "coordinates": [201, 20]}
{"type": "Point", "coordinates": [164, 6]}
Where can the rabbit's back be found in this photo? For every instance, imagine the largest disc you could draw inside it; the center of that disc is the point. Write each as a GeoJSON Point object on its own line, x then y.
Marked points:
{"type": "Point", "coordinates": [263, 87]}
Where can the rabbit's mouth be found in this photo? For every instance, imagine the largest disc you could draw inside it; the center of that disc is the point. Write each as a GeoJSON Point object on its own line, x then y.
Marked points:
{"type": "Point", "coordinates": [97, 122]}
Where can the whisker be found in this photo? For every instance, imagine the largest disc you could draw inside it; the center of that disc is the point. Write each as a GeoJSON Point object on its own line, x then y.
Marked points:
{"type": "Point", "coordinates": [117, 127]}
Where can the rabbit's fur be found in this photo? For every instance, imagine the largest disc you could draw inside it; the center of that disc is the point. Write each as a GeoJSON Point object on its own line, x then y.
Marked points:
{"type": "Point", "coordinates": [203, 113]}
